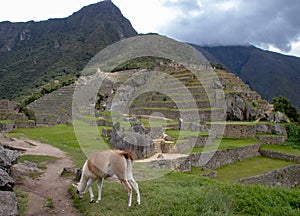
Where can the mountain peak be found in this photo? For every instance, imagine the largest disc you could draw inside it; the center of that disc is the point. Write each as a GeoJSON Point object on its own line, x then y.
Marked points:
{"type": "Point", "coordinates": [46, 50]}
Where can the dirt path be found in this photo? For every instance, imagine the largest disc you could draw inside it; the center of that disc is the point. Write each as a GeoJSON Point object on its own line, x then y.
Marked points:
{"type": "Point", "coordinates": [49, 185]}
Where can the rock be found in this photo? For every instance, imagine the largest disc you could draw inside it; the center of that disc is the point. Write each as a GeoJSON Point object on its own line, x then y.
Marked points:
{"type": "Point", "coordinates": [8, 157]}
{"type": "Point", "coordinates": [76, 171]}
{"type": "Point", "coordinates": [279, 130]}
{"type": "Point", "coordinates": [217, 84]}
{"type": "Point", "coordinates": [281, 118]}
{"type": "Point", "coordinates": [106, 132]}
{"type": "Point", "coordinates": [6, 182]}
{"type": "Point", "coordinates": [213, 174]}
{"type": "Point", "coordinates": [235, 108]}
{"type": "Point", "coordinates": [195, 126]}
{"type": "Point", "coordinates": [117, 137]}
{"type": "Point", "coordinates": [138, 128]}
{"type": "Point", "coordinates": [24, 169]}
{"type": "Point", "coordinates": [240, 103]}
{"type": "Point", "coordinates": [263, 128]}
{"type": "Point", "coordinates": [160, 156]}
{"type": "Point", "coordinates": [141, 145]}
{"type": "Point", "coordinates": [156, 132]}
{"type": "Point", "coordinates": [9, 204]}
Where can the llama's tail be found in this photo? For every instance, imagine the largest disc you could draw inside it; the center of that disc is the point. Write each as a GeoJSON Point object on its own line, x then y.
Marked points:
{"type": "Point", "coordinates": [127, 154]}
{"type": "Point", "coordinates": [129, 162]}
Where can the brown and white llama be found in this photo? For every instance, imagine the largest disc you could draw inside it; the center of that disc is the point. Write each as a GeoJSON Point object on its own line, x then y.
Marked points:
{"type": "Point", "coordinates": [105, 164]}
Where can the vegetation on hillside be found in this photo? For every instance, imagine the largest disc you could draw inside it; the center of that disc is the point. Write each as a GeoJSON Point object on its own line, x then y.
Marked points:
{"type": "Point", "coordinates": [32, 54]}
{"type": "Point", "coordinates": [285, 106]}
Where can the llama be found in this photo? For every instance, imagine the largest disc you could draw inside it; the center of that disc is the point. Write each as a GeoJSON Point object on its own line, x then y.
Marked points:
{"type": "Point", "coordinates": [104, 164]}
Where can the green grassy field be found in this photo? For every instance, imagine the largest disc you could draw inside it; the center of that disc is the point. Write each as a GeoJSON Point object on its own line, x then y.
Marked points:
{"type": "Point", "coordinates": [282, 148]}
{"type": "Point", "coordinates": [64, 138]}
{"type": "Point", "coordinates": [175, 193]}
{"type": "Point", "coordinates": [226, 143]}
{"type": "Point", "coordinates": [183, 194]}
{"type": "Point", "coordinates": [244, 169]}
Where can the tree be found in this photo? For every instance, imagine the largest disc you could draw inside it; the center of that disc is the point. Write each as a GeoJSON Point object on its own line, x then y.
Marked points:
{"type": "Point", "coordinates": [283, 105]}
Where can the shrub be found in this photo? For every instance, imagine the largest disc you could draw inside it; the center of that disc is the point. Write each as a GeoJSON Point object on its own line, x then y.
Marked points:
{"type": "Point", "coordinates": [293, 132]}
{"type": "Point", "coordinates": [283, 105]}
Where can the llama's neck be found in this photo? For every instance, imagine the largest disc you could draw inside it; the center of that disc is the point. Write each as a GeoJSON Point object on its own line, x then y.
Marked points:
{"type": "Point", "coordinates": [83, 179]}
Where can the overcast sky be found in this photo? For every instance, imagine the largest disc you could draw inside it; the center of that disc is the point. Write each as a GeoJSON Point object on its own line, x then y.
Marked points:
{"type": "Point", "coordinates": [269, 24]}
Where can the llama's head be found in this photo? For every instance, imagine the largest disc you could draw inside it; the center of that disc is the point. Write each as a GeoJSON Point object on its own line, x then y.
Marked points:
{"type": "Point", "coordinates": [78, 190]}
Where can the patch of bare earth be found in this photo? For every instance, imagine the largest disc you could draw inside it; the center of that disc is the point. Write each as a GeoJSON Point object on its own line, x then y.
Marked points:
{"type": "Point", "coordinates": [50, 186]}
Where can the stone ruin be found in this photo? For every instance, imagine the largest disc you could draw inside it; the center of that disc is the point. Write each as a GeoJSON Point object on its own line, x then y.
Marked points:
{"type": "Point", "coordinates": [11, 117]}
{"type": "Point", "coordinates": [8, 200]}
{"type": "Point", "coordinates": [137, 139]}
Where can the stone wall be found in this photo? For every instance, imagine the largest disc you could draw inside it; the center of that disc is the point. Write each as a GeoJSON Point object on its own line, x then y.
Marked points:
{"type": "Point", "coordinates": [235, 131]}
{"type": "Point", "coordinates": [182, 163]}
{"type": "Point", "coordinates": [12, 118]}
{"type": "Point", "coordinates": [265, 139]}
{"type": "Point", "coordinates": [287, 177]}
{"type": "Point", "coordinates": [215, 159]}
{"type": "Point", "coordinates": [264, 128]}
{"type": "Point", "coordinates": [279, 155]}
{"type": "Point", "coordinates": [6, 127]}
{"type": "Point", "coordinates": [8, 200]}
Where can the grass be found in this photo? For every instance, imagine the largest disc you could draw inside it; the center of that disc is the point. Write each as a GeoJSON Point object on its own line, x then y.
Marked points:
{"type": "Point", "coordinates": [282, 148]}
{"type": "Point", "coordinates": [178, 193]}
{"type": "Point", "coordinates": [38, 159]}
{"type": "Point", "coordinates": [243, 169]}
{"type": "Point", "coordinates": [48, 203]}
{"type": "Point", "coordinates": [226, 143]}
{"type": "Point", "coordinates": [22, 198]}
{"type": "Point", "coordinates": [183, 194]}
{"type": "Point", "coordinates": [185, 133]}
{"type": "Point", "coordinates": [157, 122]}
{"type": "Point", "coordinates": [64, 138]}
{"type": "Point", "coordinates": [246, 123]}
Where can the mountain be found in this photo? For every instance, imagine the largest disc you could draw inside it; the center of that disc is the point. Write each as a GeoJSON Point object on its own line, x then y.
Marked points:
{"type": "Point", "coordinates": [33, 53]}
{"type": "Point", "coordinates": [270, 74]}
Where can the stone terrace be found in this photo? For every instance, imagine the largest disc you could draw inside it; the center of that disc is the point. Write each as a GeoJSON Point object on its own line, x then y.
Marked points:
{"type": "Point", "coordinates": [11, 118]}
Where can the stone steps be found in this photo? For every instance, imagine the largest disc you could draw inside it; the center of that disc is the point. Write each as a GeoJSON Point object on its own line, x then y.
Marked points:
{"type": "Point", "coordinates": [54, 108]}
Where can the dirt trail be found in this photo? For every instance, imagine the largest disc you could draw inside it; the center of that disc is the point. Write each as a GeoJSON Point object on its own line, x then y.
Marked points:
{"type": "Point", "coordinates": [49, 185]}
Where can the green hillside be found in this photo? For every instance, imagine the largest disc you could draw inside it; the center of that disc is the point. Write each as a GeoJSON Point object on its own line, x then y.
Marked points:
{"type": "Point", "coordinates": [270, 74]}
{"type": "Point", "coordinates": [34, 53]}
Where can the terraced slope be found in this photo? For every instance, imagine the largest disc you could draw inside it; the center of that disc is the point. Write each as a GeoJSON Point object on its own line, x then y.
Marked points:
{"type": "Point", "coordinates": [54, 108]}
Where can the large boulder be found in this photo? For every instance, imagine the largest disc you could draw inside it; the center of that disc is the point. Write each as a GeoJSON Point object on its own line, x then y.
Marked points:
{"type": "Point", "coordinates": [281, 118]}
{"type": "Point", "coordinates": [235, 108]}
{"type": "Point", "coordinates": [141, 145]}
{"type": "Point", "coordinates": [24, 169]}
{"type": "Point", "coordinates": [136, 140]}
{"type": "Point", "coordinates": [8, 157]}
{"type": "Point", "coordinates": [9, 204]}
{"type": "Point", "coordinates": [6, 182]}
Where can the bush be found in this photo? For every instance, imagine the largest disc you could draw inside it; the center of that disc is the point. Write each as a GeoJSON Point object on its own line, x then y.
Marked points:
{"type": "Point", "coordinates": [283, 105]}
{"type": "Point", "coordinates": [293, 132]}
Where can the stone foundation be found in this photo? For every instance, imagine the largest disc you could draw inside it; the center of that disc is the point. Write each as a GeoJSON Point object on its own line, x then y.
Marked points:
{"type": "Point", "coordinates": [235, 131]}
{"type": "Point", "coordinates": [287, 177]}
{"type": "Point", "coordinates": [280, 155]}
{"type": "Point", "coordinates": [265, 139]}
{"type": "Point", "coordinates": [215, 159]}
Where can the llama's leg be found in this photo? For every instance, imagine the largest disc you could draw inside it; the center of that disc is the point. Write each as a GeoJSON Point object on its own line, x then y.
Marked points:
{"type": "Point", "coordinates": [136, 188]}
{"type": "Point", "coordinates": [129, 190]}
{"type": "Point", "coordinates": [100, 184]}
{"type": "Point", "coordinates": [89, 187]}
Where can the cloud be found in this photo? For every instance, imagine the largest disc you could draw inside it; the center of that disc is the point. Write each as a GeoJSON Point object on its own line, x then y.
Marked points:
{"type": "Point", "coordinates": [235, 22]}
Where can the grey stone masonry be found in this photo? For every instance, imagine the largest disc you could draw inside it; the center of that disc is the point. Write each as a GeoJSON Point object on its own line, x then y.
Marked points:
{"type": "Point", "coordinates": [215, 159]}
{"type": "Point", "coordinates": [280, 155]}
{"type": "Point", "coordinates": [287, 177]}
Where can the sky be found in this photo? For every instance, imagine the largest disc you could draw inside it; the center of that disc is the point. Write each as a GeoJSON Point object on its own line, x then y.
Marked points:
{"type": "Point", "coordinates": [269, 24]}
